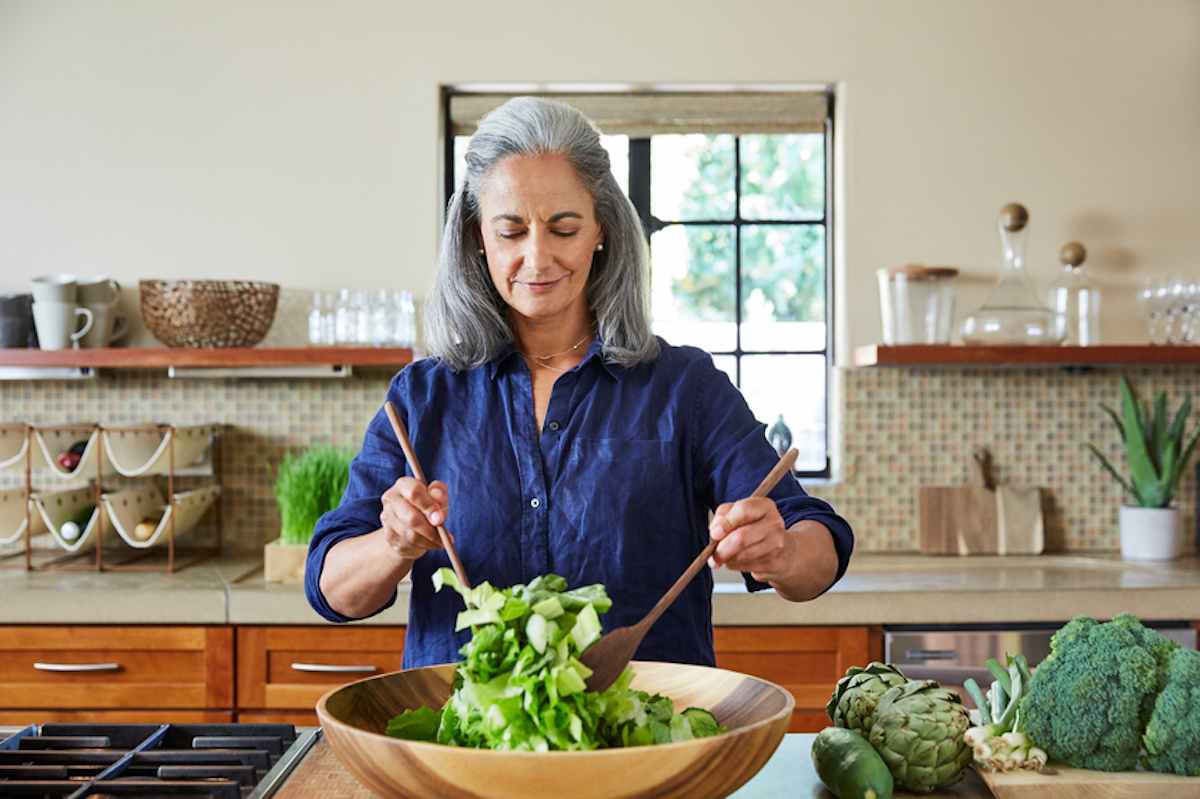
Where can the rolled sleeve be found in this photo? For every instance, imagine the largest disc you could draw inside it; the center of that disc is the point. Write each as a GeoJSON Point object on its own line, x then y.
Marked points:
{"type": "Point", "coordinates": [732, 456]}
{"type": "Point", "coordinates": [374, 469]}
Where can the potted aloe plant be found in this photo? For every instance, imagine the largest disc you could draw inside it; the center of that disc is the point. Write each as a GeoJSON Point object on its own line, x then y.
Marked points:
{"type": "Point", "coordinates": [307, 486]}
{"type": "Point", "coordinates": [1157, 456]}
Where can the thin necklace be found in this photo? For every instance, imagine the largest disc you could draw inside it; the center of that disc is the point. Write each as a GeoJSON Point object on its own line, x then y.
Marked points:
{"type": "Point", "coordinates": [544, 360]}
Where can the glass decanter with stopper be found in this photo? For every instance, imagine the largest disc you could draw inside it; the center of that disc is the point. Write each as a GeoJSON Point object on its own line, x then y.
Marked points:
{"type": "Point", "coordinates": [1013, 314]}
{"type": "Point", "coordinates": [1075, 300]}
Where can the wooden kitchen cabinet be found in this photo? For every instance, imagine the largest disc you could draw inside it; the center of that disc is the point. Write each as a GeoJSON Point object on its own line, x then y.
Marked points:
{"type": "Point", "coordinates": [23, 717]}
{"type": "Point", "coordinates": [85, 668]}
{"type": "Point", "coordinates": [807, 661]}
{"type": "Point", "coordinates": [283, 671]}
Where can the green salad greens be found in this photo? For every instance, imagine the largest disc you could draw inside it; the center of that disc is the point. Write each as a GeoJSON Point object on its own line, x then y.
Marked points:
{"type": "Point", "coordinates": [521, 686]}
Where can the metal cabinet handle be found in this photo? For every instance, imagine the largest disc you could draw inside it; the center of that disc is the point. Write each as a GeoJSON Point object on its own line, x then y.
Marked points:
{"type": "Point", "coordinates": [931, 654]}
{"type": "Point", "coordinates": [326, 668]}
{"type": "Point", "coordinates": [76, 667]}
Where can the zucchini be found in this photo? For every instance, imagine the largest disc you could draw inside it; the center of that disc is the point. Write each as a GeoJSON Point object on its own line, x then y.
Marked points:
{"type": "Point", "coordinates": [849, 766]}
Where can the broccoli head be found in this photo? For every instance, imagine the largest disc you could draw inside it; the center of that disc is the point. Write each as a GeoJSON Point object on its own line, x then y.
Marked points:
{"type": "Point", "coordinates": [1172, 737]}
{"type": "Point", "coordinates": [1090, 699]}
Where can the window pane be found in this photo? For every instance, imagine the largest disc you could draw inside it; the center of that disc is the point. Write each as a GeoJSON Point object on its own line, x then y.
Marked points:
{"type": "Point", "coordinates": [618, 156]}
{"type": "Point", "coordinates": [783, 177]}
{"type": "Point", "coordinates": [787, 393]}
{"type": "Point", "coordinates": [692, 286]}
{"type": "Point", "coordinates": [691, 177]}
{"type": "Point", "coordinates": [783, 287]}
{"type": "Point", "coordinates": [460, 159]}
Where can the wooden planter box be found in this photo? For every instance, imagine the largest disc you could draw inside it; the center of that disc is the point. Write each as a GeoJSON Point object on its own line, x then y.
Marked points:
{"type": "Point", "coordinates": [284, 563]}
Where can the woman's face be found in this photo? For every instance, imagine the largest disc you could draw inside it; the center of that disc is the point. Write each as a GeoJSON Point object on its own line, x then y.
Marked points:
{"type": "Point", "coordinates": [539, 231]}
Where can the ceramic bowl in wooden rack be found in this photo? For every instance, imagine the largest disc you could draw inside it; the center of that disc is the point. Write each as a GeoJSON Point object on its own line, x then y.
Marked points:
{"type": "Point", "coordinates": [756, 712]}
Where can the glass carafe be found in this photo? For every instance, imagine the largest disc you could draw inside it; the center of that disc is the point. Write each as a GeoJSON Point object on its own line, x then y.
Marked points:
{"type": "Point", "coordinates": [1013, 314]}
{"type": "Point", "coordinates": [1075, 300]}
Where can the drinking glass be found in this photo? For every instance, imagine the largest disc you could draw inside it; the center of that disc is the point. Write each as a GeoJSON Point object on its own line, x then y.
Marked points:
{"type": "Point", "coordinates": [344, 323]}
{"type": "Point", "coordinates": [1155, 301]}
{"type": "Point", "coordinates": [404, 326]}
{"type": "Point", "coordinates": [321, 329]}
{"type": "Point", "coordinates": [380, 312]}
{"type": "Point", "coordinates": [1188, 310]}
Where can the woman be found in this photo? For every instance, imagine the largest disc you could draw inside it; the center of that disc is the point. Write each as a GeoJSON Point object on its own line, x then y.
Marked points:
{"type": "Point", "coordinates": [560, 435]}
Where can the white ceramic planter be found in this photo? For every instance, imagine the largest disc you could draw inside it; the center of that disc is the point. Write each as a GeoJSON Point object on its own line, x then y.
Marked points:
{"type": "Point", "coordinates": [1150, 533]}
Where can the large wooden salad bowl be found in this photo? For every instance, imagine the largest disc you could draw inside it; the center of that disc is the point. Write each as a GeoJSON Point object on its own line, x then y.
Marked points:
{"type": "Point", "coordinates": [756, 712]}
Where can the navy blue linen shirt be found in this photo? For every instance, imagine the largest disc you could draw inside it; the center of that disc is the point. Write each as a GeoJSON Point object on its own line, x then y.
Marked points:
{"type": "Point", "coordinates": [616, 488]}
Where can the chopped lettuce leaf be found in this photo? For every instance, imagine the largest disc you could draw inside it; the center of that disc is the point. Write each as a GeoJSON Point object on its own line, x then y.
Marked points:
{"type": "Point", "coordinates": [416, 725]}
{"type": "Point", "coordinates": [536, 632]}
{"type": "Point", "coordinates": [549, 607]}
{"type": "Point", "coordinates": [586, 629]}
{"type": "Point", "coordinates": [521, 685]}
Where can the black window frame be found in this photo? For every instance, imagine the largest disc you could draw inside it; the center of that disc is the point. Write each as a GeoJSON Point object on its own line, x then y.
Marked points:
{"type": "Point", "coordinates": [640, 195]}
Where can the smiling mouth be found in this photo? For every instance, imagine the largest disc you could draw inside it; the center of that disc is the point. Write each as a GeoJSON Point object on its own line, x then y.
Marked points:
{"type": "Point", "coordinates": [543, 285]}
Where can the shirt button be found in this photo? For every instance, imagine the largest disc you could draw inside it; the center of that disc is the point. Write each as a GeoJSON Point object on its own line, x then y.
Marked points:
{"type": "Point", "coordinates": [553, 426]}
{"type": "Point", "coordinates": [535, 503]}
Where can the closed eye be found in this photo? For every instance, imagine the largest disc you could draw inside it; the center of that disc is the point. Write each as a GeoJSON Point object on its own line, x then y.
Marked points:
{"type": "Point", "coordinates": [563, 234]}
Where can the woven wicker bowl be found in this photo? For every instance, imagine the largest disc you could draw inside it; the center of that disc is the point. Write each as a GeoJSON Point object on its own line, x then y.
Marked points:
{"type": "Point", "coordinates": [756, 712]}
{"type": "Point", "coordinates": [208, 313]}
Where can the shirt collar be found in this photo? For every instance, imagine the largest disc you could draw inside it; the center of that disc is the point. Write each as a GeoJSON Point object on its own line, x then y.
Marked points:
{"type": "Point", "coordinates": [595, 352]}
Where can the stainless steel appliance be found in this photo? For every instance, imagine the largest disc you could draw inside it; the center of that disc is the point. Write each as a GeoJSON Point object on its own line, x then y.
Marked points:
{"type": "Point", "coordinates": [219, 761]}
{"type": "Point", "coordinates": [951, 654]}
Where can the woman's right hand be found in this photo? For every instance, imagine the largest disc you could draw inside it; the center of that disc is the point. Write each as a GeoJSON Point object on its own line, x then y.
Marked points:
{"type": "Point", "coordinates": [411, 514]}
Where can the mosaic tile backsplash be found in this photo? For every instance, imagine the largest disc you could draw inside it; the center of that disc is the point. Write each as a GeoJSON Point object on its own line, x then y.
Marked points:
{"type": "Point", "coordinates": [902, 428]}
{"type": "Point", "coordinates": [905, 427]}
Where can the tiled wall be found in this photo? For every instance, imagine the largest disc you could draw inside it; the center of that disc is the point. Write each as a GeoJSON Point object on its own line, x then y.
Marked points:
{"type": "Point", "coordinates": [902, 428]}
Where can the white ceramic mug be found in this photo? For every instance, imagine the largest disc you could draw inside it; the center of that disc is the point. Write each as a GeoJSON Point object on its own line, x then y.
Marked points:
{"type": "Point", "coordinates": [108, 325]}
{"type": "Point", "coordinates": [55, 288]}
{"type": "Point", "coordinates": [98, 291]}
{"type": "Point", "coordinates": [56, 325]}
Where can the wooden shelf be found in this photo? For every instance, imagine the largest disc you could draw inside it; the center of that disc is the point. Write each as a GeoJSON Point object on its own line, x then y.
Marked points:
{"type": "Point", "coordinates": [229, 358]}
{"type": "Point", "coordinates": [961, 355]}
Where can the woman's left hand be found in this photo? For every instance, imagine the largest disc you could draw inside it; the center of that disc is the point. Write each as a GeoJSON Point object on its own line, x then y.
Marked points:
{"type": "Point", "coordinates": [753, 538]}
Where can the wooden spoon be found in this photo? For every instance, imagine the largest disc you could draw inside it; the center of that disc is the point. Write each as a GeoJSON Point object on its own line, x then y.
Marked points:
{"type": "Point", "coordinates": [609, 656]}
{"type": "Point", "coordinates": [402, 435]}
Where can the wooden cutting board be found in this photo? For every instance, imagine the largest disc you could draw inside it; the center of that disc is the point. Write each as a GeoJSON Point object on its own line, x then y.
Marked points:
{"type": "Point", "coordinates": [958, 520]}
{"type": "Point", "coordinates": [1060, 782]}
{"type": "Point", "coordinates": [984, 519]}
{"type": "Point", "coordinates": [1020, 527]}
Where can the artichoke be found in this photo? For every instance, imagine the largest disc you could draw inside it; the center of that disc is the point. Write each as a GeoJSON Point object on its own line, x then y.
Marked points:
{"type": "Point", "coordinates": [918, 731]}
{"type": "Point", "coordinates": [853, 702]}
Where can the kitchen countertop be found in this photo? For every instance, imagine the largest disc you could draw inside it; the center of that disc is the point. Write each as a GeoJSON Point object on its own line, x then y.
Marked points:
{"type": "Point", "coordinates": [877, 589]}
{"type": "Point", "coordinates": [789, 774]}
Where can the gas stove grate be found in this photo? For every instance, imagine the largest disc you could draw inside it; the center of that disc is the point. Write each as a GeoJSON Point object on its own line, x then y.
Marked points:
{"type": "Point", "coordinates": [91, 761]}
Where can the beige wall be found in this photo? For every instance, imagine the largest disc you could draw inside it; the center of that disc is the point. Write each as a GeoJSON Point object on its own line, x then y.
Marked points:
{"type": "Point", "coordinates": [301, 144]}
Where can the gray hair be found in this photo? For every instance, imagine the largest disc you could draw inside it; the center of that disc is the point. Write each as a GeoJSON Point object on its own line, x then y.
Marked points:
{"type": "Point", "coordinates": [466, 322]}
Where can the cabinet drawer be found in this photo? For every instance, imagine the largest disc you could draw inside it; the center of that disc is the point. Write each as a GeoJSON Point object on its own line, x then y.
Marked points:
{"type": "Point", "coordinates": [807, 661]}
{"type": "Point", "coordinates": [290, 668]}
{"type": "Point", "coordinates": [116, 667]}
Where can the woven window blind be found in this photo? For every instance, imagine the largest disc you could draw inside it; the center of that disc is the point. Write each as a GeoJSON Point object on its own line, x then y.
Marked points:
{"type": "Point", "coordinates": [642, 115]}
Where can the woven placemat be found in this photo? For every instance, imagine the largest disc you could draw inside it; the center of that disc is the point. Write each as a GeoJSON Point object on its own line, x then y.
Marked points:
{"type": "Point", "coordinates": [321, 775]}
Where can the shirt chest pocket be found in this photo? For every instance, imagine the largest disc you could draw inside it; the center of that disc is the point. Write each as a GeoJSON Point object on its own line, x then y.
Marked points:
{"type": "Point", "coordinates": [625, 505]}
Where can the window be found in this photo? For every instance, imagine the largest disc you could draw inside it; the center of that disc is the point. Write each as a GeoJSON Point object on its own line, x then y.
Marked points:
{"type": "Point", "coordinates": [733, 192]}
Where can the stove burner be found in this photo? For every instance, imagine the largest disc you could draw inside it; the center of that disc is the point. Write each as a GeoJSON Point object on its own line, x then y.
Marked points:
{"type": "Point", "coordinates": [219, 761]}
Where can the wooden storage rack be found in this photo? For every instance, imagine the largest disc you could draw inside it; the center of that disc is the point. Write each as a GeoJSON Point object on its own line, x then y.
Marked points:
{"type": "Point", "coordinates": [176, 557]}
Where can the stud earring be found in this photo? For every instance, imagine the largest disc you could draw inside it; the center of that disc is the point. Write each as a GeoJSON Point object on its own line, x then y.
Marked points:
{"type": "Point", "coordinates": [481, 251]}
{"type": "Point", "coordinates": [599, 246]}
